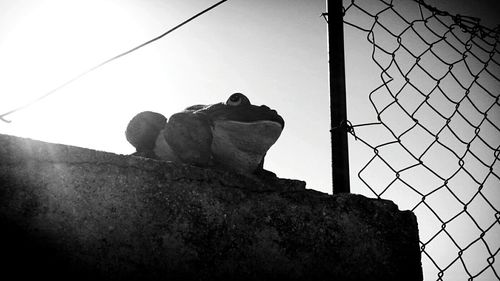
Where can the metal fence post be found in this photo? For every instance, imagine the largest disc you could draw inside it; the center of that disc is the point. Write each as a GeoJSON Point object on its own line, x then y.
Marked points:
{"type": "Point", "coordinates": [338, 110]}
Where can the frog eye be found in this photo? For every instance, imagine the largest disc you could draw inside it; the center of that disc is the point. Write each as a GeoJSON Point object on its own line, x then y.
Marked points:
{"type": "Point", "coordinates": [237, 99]}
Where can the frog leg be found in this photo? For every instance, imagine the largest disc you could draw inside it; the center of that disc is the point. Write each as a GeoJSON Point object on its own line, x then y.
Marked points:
{"type": "Point", "coordinates": [143, 130]}
{"type": "Point", "coordinates": [263, 173]}
{"type": "Point", "coordinates": [187, 138]}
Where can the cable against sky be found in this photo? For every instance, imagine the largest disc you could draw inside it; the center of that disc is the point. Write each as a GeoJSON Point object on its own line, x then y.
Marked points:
{"type": "Point", "coordinates": [77, 77]}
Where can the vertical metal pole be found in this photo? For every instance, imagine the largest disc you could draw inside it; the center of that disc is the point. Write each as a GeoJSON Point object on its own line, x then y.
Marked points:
{"type": "Point", "coordinates": [338, 109]}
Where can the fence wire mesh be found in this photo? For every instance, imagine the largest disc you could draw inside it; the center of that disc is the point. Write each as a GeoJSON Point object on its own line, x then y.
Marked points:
{"type": "Point", "coordinates": [433, 138]}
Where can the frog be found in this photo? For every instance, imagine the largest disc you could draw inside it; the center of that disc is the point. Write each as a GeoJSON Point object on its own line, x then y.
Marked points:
{"type": "Point", "coordinates": [233, 135]}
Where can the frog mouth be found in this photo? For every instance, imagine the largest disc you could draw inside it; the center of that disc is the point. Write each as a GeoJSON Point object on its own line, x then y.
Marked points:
{"type": "Point", "coordinates": [252, 137]}
{"type": "Point", "coordinates": [247, 116]}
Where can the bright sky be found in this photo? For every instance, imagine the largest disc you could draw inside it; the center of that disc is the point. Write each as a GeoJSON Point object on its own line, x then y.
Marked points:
{"type": "Point", "coordinates": [274, 52]}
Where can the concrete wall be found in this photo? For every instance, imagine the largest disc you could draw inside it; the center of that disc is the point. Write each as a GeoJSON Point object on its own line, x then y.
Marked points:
{"type": "Point", "coordinates": [72, 213]}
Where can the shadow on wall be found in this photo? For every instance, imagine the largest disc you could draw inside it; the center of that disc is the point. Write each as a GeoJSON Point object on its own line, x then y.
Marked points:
{"type": "Point", "coordinates": [73, 213]}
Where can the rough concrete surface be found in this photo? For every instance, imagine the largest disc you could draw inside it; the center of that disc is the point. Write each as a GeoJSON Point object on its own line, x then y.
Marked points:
{"type": "Point", "coordinates": [72, 213]}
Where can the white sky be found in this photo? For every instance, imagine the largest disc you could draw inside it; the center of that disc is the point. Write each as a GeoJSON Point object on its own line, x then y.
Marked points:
{"type": "Point", "coordinates": [272, 51]}
{"type": "Point", "coordinates": [275, 56]}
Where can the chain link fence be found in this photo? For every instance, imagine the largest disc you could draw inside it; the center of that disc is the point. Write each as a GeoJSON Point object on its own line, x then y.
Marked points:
{"type": "Point", "coordinates": [432, 141]}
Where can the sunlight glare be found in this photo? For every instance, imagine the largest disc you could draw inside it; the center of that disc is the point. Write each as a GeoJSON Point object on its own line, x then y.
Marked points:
{"type": "Point", "coordinates": [49, 42]}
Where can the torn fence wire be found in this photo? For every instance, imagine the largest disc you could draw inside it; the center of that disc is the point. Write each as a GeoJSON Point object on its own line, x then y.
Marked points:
{"type": "Point", "coordinates": [435, 129]}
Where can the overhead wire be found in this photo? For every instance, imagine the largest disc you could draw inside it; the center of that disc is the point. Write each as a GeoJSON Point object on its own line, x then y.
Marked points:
{"type": "Point", "coordinates": [77, 77]}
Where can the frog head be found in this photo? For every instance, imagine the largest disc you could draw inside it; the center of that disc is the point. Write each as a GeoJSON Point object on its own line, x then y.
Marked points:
{"type": "Point", "coordinates": [242, 132]}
